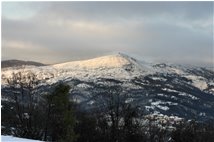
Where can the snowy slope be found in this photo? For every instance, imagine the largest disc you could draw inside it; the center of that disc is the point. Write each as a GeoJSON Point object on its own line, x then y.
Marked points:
{"type": "Point", "coordinates": [15, 139]}
{"type": "Point", "coordinates": [116, 66]}
{"type": "Point", "coordinates": [111, 61]}
{"type": "Point", "coordinates": [158, 87]}
{"type": "Point", "coordinates": [112, 66]}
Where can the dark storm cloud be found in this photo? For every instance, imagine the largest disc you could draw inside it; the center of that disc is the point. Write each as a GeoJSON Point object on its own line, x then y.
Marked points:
{"type": "Point", "coordinates": [66, 31]}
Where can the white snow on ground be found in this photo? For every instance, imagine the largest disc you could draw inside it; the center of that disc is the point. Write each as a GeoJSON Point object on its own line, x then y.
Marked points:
{"type": "Point", "coordinates": [162, 95]}
{"type": "Point", "coordinates": [129, 100]}
{"type": "Point", "coordinates": [100, 62]}
{"type": "Point", "coordinates": [178, 71]}
{"type": "Point", "coordinates": [198, 81]}
{"type": "Point", "coordinates": [211, 83]}
{"type": "Point", "coordinates": [188, 95]}
{"type": "Point", "coordinates": [157, 104]}
{"type": "Point", "coordinates": [83, 85]}
{"type": "Point", "coordinates": [116, 66]}
{"type": "Point", "coordinates": [169, 90]}
{"type": "Point", "coordinates": [159, 78]}
{"type": "Point", "coordinates": [149, 107]}
{"type": "Point", "coordinates": [91, 102]}
{"type": "Point", "coordinates": [161, 105]}
{"type": "Point", "coordinates": [15, 139]}
{"type": "Point", "coordinates": [112, 66]}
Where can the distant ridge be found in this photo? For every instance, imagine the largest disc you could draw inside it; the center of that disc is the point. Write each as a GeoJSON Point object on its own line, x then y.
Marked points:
{"type": "Point", "coordinates": [16, 63]}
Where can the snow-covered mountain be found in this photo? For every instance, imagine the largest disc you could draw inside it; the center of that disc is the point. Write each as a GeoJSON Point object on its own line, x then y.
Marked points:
{"type": "Point", "coordinates": [112, 66]}
{"type": "Point", "coordinates": [159, 88]}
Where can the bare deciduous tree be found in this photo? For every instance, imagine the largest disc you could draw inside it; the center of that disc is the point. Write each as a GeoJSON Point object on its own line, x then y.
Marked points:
{"type": "Point", "coordinates": [23, 88]}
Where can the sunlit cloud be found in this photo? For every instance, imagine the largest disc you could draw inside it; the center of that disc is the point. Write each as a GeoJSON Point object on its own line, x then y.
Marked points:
{"type": "Point", "coordinates": [18, 44]}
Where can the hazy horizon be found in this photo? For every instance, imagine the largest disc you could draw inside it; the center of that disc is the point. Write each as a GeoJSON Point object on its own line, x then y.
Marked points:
{"type": "Point", "coordinates": [56, 32]}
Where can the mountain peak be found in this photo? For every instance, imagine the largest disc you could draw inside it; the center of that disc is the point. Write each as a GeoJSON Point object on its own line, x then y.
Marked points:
{"type": "Point", "coordinates": [109, 61]}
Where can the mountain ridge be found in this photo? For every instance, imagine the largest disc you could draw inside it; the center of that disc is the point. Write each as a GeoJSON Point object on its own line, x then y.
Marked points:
{"type": "Point", "coordinates": [156, 87]}
{"type": "Point", "coordinates": [17, 63]}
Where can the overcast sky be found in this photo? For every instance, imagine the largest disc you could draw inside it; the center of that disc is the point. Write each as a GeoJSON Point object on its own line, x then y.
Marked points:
{"type": "Point", "coordinates": [53, 32]}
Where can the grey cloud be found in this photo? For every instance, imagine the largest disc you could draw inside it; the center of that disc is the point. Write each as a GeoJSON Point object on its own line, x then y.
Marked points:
{"type": "Point", "coordinates": [174, 43]}
{"type": "Point", "coordinates": [67, 31]}
{"type": "Point", "coordinates": [191, 10]}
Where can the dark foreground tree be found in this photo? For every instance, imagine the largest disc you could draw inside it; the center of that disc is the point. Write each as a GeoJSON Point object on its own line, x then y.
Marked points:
{"type": "Point", "coordinates": [116, 118]}
{"type": "Point", "coordinates": [20, 115]}
{"type": "Point", "coordinates": [113, 120]}
{"type": "Point", "coordinates": [60, 119]}
{"type": "Point", "coordinates": [194, 131]}
{"type": "Point", "coordinates": [87, 128]}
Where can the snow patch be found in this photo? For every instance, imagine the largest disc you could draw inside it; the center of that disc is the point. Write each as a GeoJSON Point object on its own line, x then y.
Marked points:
{"type": "Point", "coordinates": [188, 95]}
{"type": "Point", "coordinates": [110, 61]}
{"type": "Point", "coordinates": [157, 104]}
{"type": "Point", "coordinates": [129, 100]}
{"type": "Point", "coordinates": [169, 90]}
{"type": "Point", "coordinates": [159, 78]}
{"type": "Point", "coordinates": [198, 81]}
{"type": "Point", "coordinates": [83, 85]}
{"type": "Point", "coordinates": [15, 139]}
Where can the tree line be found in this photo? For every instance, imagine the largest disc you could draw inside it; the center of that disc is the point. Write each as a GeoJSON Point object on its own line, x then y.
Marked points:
{"type": "Point", "coordinates": [50, 115]}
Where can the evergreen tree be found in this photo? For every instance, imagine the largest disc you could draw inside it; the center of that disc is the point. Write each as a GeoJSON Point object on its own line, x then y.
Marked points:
{"type": "Point", "coordinates": [60, 116]}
